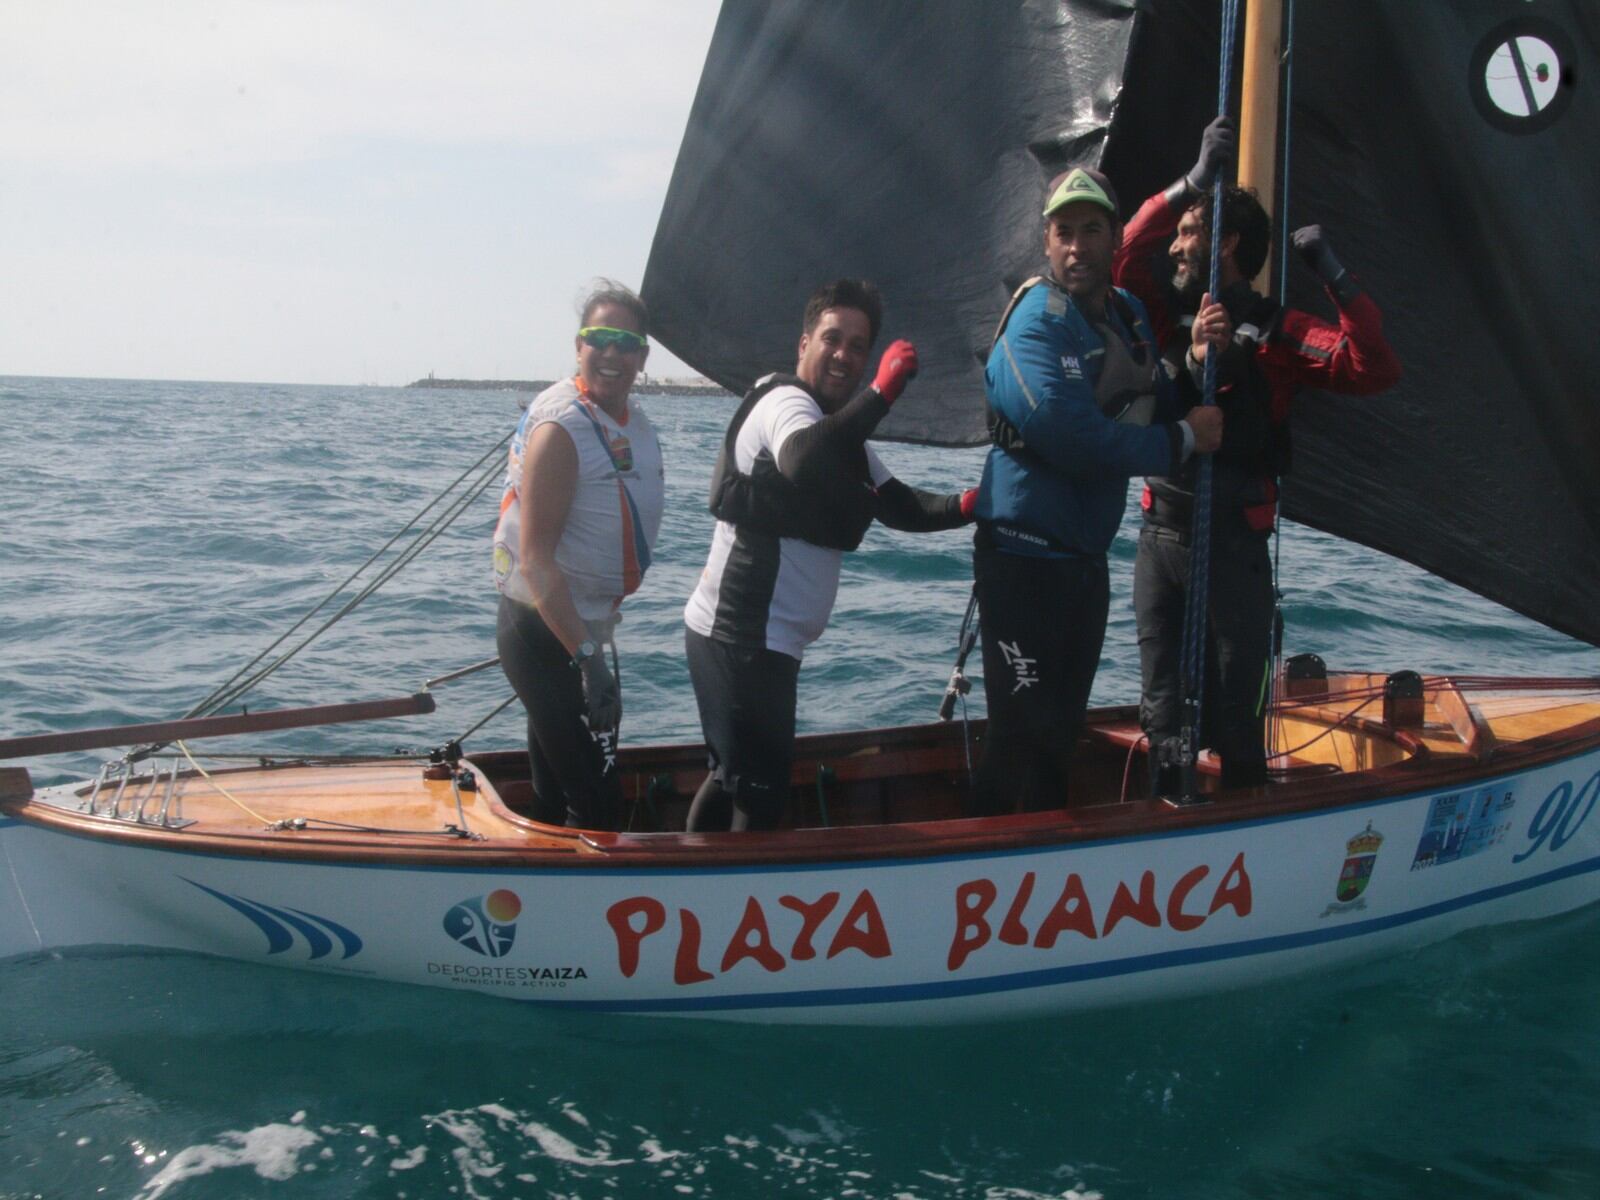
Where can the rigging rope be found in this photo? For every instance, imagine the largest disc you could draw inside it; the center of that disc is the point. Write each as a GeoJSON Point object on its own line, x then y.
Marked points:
{"type": "Point", "coordinates": [245, 678]}
{"type": "Point", "coordinates": [1275, 635]}
{"type": "Point", "coordinates": [418, 544]}
{"type": "Point", "coordinates": [206, 775]}
{"type": "Point", "coordinates": [1197, 601]}
{"type": "Point", "coordinates": [222, 694]}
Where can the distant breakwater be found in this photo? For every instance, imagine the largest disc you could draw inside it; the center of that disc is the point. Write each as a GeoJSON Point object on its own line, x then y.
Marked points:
{"type": "Point", "coordinates": [539, 385]}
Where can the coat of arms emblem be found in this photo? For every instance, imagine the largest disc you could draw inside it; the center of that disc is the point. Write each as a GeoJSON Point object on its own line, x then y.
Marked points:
{"type": "Point", "coordinates": [1362, 853]}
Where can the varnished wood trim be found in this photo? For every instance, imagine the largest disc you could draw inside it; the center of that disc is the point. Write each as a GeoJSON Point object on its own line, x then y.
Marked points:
{"type": "Point", "coordinates": [594, 850]}
{"type": "Point", "coordinates": [1476, 736]}
{"type": "Point", "coordinates": [208, 727]}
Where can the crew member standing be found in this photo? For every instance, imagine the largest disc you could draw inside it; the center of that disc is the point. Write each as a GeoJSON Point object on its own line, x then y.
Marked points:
{"type": "Point", "coordinates": [794, 488]}
{"type": "Point", "coordinates": [1076, 394]}
{"type": "Point", "coordinates": [578, 520]}
{"type": "Point", "coordinates": [1275, 353]}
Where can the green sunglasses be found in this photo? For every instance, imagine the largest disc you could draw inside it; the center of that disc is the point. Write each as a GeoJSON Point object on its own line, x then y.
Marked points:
{"type": "Point", "coordinates": [603, 336]}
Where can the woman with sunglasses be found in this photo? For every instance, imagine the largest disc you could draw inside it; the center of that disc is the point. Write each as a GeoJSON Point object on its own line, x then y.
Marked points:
{"type": "Point", "coordinates": [579, 516]}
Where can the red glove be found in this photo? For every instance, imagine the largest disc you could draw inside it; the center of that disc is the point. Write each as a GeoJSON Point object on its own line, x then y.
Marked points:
{"type": "Point", "coordinates": [969, 503]}
{"type": "Point", "coordinates": [895, 368]}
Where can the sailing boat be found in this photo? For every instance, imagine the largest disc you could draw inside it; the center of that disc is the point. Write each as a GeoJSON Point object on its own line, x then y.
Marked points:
{"type": "Point", "coordinates": [1405, 808]}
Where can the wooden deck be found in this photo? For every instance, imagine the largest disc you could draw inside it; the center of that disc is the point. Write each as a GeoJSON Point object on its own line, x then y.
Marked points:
{"type": "Point", "coordinates": [881, 793]}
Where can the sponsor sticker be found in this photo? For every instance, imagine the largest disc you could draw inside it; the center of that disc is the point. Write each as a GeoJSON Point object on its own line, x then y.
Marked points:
{"type": "Point", "coordinates": [1463, 824]}
{"type": "Point", "coordinates": [486, 925]}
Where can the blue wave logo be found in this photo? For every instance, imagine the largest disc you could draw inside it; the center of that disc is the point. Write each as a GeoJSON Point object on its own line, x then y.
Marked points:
{"type": "Point", "coordinates": [281, 924]}
{"type": "Point", "coordinates": [486, 924]}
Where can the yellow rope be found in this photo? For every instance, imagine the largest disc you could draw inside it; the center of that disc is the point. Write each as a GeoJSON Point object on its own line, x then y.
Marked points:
{"type": "Point", "coordinates": [242, 805]}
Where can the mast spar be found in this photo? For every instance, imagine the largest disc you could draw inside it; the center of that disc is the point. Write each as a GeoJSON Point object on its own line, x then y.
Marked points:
{"type": "Point", "coordinates": [1258, 124]}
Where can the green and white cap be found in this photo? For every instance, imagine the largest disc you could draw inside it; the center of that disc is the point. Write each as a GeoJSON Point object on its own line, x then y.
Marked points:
{"type": "Point", "coordinates": [1081, 185]}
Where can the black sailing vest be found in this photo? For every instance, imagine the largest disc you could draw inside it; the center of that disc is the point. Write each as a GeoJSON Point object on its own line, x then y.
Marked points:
{"type": "Point", "coordinates": [764, 501]}
{"type": "Point", "coordinates": [1241, 484]}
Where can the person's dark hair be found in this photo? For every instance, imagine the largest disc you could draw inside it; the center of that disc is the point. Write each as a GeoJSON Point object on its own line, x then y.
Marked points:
{"type": "Point", "coordinates": [609, 291]}
{"type": "Point", "coordinates": [845, 293]}
{"type": "Point", "coordinates": [1241, 214]}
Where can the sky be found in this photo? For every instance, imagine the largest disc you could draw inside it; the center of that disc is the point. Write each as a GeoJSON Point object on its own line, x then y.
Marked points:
{"type": "Point", "coordinates": [346, 193]}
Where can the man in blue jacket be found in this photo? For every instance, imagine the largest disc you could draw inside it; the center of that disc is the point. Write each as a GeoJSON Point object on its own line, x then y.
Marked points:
{"type": "Point", "coordinates": [1079, 401]}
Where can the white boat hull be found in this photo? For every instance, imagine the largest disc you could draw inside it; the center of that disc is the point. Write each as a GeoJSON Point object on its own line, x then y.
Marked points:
{"type": "Point", "coordinates": [979, 936]}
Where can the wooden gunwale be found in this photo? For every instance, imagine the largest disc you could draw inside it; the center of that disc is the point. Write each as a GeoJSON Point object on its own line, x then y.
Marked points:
{"type": "Point", "coordinates": [548, 848]}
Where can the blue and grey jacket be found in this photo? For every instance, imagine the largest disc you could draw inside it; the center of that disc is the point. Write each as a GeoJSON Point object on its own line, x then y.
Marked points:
{"type": "Point", "coordinates": [1056, 482]}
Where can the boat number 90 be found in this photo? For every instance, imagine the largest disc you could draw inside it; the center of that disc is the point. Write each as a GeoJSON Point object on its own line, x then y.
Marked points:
{"type": "Point", "coordinates": [1561, 815]}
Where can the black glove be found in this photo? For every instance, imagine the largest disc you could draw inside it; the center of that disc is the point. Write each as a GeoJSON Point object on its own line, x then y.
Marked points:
{"type": "Point", "coordinates": [1218, 145]}
{"type": "Point", "coordinates": [1312, 245]}
{"type": "Point", "coordinates": [601, 697]}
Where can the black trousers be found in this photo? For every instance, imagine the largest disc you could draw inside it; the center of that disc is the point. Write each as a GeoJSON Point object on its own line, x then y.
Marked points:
{"type": "Point", "coordinates": [1238, 648]}
{"type": "Point", "coordinates": [1043, 621]}
{"type": "Point", "coordinates": [574, 771]}
{"type": "Point", "coordinates": [747, 704]}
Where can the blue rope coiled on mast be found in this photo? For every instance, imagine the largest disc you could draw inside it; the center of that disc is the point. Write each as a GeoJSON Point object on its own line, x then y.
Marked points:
{"type": "Point", "coordinates": [1197, 601]}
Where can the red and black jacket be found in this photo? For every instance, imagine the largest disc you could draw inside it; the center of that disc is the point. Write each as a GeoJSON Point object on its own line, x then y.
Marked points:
{"type": "Point", "coordinates": [1290, 351]}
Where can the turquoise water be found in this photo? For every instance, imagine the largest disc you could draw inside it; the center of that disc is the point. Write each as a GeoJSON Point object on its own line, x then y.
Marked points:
{"type": "Point", "coordinates": [153, 536]}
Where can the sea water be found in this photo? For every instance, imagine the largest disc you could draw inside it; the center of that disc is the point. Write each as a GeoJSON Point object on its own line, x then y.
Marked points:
{"type": "Point", "coordinates": [155, 536]}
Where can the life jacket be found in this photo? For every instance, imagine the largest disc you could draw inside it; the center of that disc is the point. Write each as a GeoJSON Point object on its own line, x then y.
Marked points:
{"type": "Point", "coordinates": [1126, 388]}
{"type": "Point", "coordinates": [616, 507]}
{"type": "Point", "coordinates": [1249, 489]}
{"type": "Point", "coordinates": [765, 501]}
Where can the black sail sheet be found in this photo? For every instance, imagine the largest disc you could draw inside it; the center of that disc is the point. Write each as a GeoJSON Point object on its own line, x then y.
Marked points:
{"type": "Point", "coordinates": [1446, 147]}
{"type": "Point", "coordinates": [902, 142]}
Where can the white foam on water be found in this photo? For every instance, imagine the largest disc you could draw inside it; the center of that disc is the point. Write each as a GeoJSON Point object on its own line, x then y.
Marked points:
{"type": "Point", "coordinates": [272, 1151]}
{"type": "Point", "coordinates": [552, 1144]}
{"type": "Point", "coordinates": [473, 1158]}
{"type": "Point", "coordinates": [828, 1130]}
{"type": "Point", "coordinates": [654, 1152]}
{"type": "Point", "coordinates": [411, 1158]}
{"type": "Point", "coordinates": [465, 1130]}
{"type": "Point", "coordinates": [562, 1149]}
{"type": "Point", "coordinates": [474, 1166]}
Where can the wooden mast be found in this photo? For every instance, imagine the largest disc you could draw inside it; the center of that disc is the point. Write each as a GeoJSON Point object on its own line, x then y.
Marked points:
{"type": "Point", "coordinates": [1258, 125]}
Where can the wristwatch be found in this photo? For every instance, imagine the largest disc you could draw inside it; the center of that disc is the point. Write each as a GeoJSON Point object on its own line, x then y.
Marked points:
{"type": "Point", "coordinates": [585, 651]}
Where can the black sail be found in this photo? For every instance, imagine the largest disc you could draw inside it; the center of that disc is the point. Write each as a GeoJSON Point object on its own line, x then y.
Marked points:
{"type": "Point", "coordinates": [902, 142]}
{"type": "Point", "coordinates": [1446, 147]}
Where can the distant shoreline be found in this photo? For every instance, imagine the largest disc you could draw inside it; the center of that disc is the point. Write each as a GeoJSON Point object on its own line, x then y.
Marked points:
{"type": "Point", "coordinates": [539, 385]}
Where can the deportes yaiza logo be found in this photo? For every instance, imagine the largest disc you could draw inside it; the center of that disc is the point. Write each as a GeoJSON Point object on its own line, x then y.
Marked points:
{"type": "Point", "coordinates": [486, 924]}
{"type": "Point", "coordinates": [282, 925]}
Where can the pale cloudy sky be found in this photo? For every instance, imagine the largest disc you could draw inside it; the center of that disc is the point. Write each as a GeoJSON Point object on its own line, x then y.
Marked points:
{"type": "Point", "coordinates": [355, 192]}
